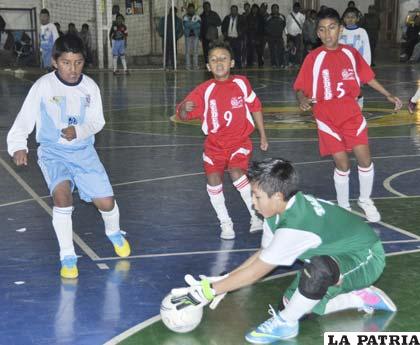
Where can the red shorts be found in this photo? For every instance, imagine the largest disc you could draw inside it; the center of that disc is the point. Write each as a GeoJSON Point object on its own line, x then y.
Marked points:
{"type": "Point", "coordinates": [216, 160]}
{"type": "Point", "coordinates": [333, 139]}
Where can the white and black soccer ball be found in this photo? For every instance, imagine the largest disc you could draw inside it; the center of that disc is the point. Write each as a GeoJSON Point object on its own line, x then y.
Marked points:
{"type": "Point", "coordinates": [179, 320]}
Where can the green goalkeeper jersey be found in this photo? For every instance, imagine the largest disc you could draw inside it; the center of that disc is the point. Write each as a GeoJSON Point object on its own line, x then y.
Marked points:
{"type": "Point", "coordinates": [337, 231]}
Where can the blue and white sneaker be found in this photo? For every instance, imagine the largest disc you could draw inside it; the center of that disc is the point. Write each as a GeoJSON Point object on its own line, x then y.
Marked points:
{"type": "Point", "coordinates": [121, 245]}
{"type": "Point", "coordinates": [272, 330]}
{"type": "Point", "coordinates": [375, 299]}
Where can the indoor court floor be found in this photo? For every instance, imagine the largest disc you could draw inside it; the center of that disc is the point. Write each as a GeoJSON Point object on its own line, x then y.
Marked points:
{"type": "Point", "coordinates": [154, 164]}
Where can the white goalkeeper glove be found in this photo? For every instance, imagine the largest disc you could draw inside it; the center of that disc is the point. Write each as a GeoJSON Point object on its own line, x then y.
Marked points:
{"type": "Point", "coordinates": [198, 294]}
{"type": "Point", "coordinates": [217, 299]}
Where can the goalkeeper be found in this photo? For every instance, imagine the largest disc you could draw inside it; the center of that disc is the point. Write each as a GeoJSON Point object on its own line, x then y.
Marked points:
{"type": "Point", "coordinates": [342, 256]}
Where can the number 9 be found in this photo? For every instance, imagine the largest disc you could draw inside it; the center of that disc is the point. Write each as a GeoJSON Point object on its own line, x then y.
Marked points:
{"type": "Point", "coordinates": [228, 117]}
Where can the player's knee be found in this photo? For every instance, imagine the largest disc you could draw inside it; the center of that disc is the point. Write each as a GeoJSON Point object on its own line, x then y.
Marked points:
{"type": "Point", "coordinates": [317, 276]}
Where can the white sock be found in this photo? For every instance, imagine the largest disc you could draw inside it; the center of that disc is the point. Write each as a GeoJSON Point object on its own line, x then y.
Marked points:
{"type": "Point", "coordinates": [341, 182]}
{"type": "Point", "coordinates": [111, 220]}
{"type": "Point", "coordinates": [360, 101]}
{"type": "Point", "coordinates": [366, 176]}
{"type": "Point", "coordinates": [217, 199]}
{"type": "Point", "coordinates": [63, 227]}
{"type": "Point", "coordinates": [244, 188]}
{"type": "Point", "coordinates": [124, 62]}
{"type": "Point", "coordinates": [298, 306]}
{"type": "Point", "coordinates": [344, 301]}
{"type": "Point", "coordinates": [115, 62]}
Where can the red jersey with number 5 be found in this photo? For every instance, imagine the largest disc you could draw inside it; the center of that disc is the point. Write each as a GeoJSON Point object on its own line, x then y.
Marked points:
{"type": "Point", "coordinates": [224, 108]}
{"type": "Point", "coordinates": [333, 79]}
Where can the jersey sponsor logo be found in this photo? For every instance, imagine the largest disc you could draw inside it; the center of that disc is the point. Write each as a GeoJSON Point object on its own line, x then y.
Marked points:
{"type": "Point", "coordinates": [56, 99]}
{"type": "Point", "coordinates": [72, 121]}
{"type": "Point", "coordinates": [327, 84]}
{"type": "Point", "coordinates": [214, 116]}
{"type": "Point", "coordinates": [348, 74]}
{"type": "Point", "coordinates": [237, 102]}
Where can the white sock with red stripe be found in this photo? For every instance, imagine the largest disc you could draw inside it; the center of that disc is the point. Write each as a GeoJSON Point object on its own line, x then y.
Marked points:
{"type": "Point", "coordinates": [366, 176]}
{"type": "Point", "coordinates": [217, 200]}
{"type": "Point", "coordinates": [63, 227]}
{"type": "Point", "coordinates": [341, 182]}
{"type": "Point", "coordinates": [244, 188]}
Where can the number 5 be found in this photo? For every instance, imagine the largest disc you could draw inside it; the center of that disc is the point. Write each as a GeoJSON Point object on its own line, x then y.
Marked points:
{"type": "Point", "coordinates": [340, 89]}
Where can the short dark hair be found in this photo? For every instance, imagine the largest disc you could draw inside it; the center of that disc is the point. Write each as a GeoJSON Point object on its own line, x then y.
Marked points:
{"type": "Point", "coordinates": [68, 43]}
{"type": "Point", "coordinates": [219, 44]}
{"type": "Point", "coordinates": [328, 13]}
{"type": "Point", "coordinates": [191, 5]}
{"type": "Point", "coordinates": [85, 26]}
{"type": "Point", "coordinates": [45, 11]}
{"type": "Point", "coordinates": [274, 175]}
{"type": "Point", "coordinates": [351, 10]}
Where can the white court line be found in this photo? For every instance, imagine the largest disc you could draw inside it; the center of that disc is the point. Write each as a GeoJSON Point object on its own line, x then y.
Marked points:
{"type": "Point", "coordinates": [387, 181]}
{"type": "Point", "coordinates": [88, 251]}
{"type": "Point", "coordinates": [156, 179]}
{"type": "Point", "coordinates": [144, 146]}
{"type": "Point", "coordinates": [400, 241]}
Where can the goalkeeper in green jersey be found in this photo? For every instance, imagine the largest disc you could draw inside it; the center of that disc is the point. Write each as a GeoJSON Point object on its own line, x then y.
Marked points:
{"type": "Point", "coordinates": [342, 256]}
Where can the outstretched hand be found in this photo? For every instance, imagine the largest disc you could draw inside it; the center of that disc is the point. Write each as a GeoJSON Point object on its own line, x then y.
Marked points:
{"type": "Point", "coordinates": [198, 294]}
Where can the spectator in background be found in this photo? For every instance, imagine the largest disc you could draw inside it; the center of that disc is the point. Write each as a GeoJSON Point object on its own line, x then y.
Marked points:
{"type": "Point", "coordinates": [274, 28]}
{"type": "Point", "coordinates": [253, 23]}
{"type": "Point", "coordinates": [192, 24]}
{"type": "Point", "coordinates": [247, 11]}
{"type": "Point", "coordinates": [233, 27]}
{"type": "Point", "coordinates": [118, 37]}
{"type": "Point", "coordinates": [170, 59]}
{"type": "Point", "coordinates": [412, 36]}
{"type": "Point", "coordinates": [210, 21]}
{"type": "Point", "coordinates": [47, 36]}
{"type": "Point", "coordinates": [87, 41]}
{"type": "Point", "coordinates": [294, 26]}
{"type": "Point", "coordinates": [309, 35]}
{"type": "Point", "coordinates": [261, 38]}
{"type": "Point", "coordinates": [71, 29]}
{"type": "Point", "coordinates": [372, 25]}
{"type": "Point", "coordinates": [6, 44]}
{"type": "Point", "coordinates": [58, 26]}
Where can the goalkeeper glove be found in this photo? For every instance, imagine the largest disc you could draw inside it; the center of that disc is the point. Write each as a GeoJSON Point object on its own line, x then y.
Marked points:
{"type": "Point", "coordinates": [198, 294]}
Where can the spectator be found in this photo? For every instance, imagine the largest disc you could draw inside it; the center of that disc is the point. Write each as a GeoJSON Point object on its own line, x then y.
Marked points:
{"type": "Point", "coordinates": [47, 36]}
{"type": "Point", "coordinates": [294, 26]}
{"type": "Point", "coordinates": [72, 29]}
{"type": "Point", "coordinates": [233, 28]}
{"type": "Point", "coordinates": [192, 24]}
{"type": "Point", "coordinates": [253, 23]}
{"type": "Point", "coordinates": [412, 36]}
{"type": "Point", "coordinates": [6, 44]}
{"type": "Point", "coordinates": [210, 20]}
{"type": "Point", "coordinates": [247, 9]}
{"type": "Point", "coordinates": [309, 35]}
{"type": "Point", "coordinates": [58, 26]}
{"type": "Point", "coordinates": [372, 25]}
{"type": "Point", "coordinates": [169, 58]}
{"type": "Point", "coordinates": [118, 37]}
{"type": "Point", "coordinates": [274, 29]}
{"type": "Point", "coordinates": [261, 38]}
{"type": "Point", "coordinates": [87, 41]}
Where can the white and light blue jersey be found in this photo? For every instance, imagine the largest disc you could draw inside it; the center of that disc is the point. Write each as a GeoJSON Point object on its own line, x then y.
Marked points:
{"type": "Point", "coordinates": [47, 36]}
{"type": "Point", "coordinates": [359, 40]}
{"type": "Point", "coordinates": [51, 105]}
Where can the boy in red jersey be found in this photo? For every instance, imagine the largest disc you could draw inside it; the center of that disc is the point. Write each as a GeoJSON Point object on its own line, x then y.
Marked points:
{"type": "Point", "coordinates": [225, 104]}
{"type": "Point", "coordinates": [330, 78]}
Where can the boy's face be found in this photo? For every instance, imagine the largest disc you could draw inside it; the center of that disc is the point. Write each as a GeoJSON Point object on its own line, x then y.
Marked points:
{"type": "Point", "coordinates": [265, 205]}
{"type": "Point", "coordinates": [44, 18]}
{"type": "Point", "coordinates": [329, 31]}
{"type": "Point", "coordinates": [350, 19]}
{"type": "Point", "coordinates": [220, 63]}
{"type": "Point", "coordinates": [69, 66]}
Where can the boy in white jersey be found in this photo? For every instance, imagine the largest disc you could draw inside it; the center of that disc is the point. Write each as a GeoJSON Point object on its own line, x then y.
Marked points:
{"type": "Point", "coordinates": [342, 256]}
{"type": "Point", "coordinates": [356, 37]}
{"type": "Point", "coordinates": [224, 104]}
{"type": "Point", "coordinates": [47, 36]}
{"type": "Point", "coordinates": [66, 108]}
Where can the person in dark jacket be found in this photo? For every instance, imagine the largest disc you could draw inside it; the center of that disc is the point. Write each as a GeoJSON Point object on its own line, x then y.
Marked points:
{"type": "Point", "coordinates": [169, 35]}
{"type": "Point", "coordinates": [274, 28]}
{"type": "Point", "coordinates": [253, 28]}
{"type": "Point", "coordinates": [210, 21]}
{"type": "Point", "coordinates": [233, 27]}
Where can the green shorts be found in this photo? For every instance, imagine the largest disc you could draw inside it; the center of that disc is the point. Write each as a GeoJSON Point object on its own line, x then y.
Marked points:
{"type": "Point", "coordinates": [357, 271]}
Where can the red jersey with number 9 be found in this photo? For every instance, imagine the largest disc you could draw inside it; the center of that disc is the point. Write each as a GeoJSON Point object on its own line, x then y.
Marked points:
{"type": "Point", "coordinates": [224, 108]}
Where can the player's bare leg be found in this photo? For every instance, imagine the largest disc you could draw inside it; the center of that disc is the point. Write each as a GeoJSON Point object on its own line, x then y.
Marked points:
{"type": "Point", "coordinates": [241, 183]}
{"type": "Point", "coordinates": [217, 199]}
{"type": "Point", "coordinates": [341, 178]}
{"type": "Point", "coordinates": [366, 176]}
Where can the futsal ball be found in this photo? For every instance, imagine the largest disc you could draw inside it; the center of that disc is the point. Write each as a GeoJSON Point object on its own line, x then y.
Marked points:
{"type": "Point", "coordinates": [181, 321]}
